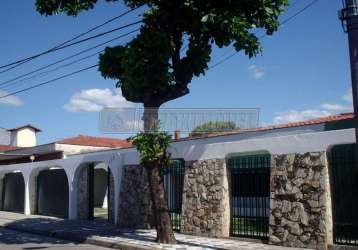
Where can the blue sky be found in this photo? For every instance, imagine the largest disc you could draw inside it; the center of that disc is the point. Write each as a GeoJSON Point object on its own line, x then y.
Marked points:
{"type": "Point", "coordinates": [302, 73]}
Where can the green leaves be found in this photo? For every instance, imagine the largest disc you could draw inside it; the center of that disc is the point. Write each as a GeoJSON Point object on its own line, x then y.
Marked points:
{"type": "Point", "coordinates": [156, 66]}
{"type": "Point", "coordinates": [213, 126]}
{"type": "Point", "coordinates": [152, 147]}
{"type": "Point", "coordinates": [70, 7]}
{"type": "Point", "coordinates": [141, 67]}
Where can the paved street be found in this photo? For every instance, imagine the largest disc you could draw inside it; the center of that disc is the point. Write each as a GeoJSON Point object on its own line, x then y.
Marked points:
{"type": "Point", "coordinates": [14, 240]}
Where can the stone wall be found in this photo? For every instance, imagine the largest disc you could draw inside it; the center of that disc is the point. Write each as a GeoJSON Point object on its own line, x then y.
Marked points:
{"type": "Point", "coordinates": [33, 194]}
{"type": "Point", "coordinates": [1, 191]}
{"type": "Point", "coordinates": [300, 210]}
{"type": "Point", "coordinates": [134, 201]}
{"type": "Point", "coordinates": [82, 194]}
{"type": "Point", "coordinates": [206, 209]}
{"type": "Point", "coordinates": [111, 201]}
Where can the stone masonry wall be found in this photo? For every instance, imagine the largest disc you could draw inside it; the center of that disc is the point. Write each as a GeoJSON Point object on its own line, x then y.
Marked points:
{"type": "Point", "coordinates": [1, 192]}
{"type": "Point", "coordinates": [82, 194]}
{"type": "Point", "coordinates": [206, 209]}
{"type": "Point", "coordinates": [33, 195]}
{"type": "Point", "coordinates": [134, 202]}
{"type": "Point", "coordinates": [111, 201]}
{"type": "Point", "coordinates": [300, 210]}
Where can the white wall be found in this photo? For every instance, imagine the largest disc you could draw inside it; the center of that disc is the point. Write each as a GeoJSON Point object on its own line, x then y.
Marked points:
{"type": "Point", "coordinates": [77, 149]}
{"type": "Point", "coordinates": [25, 137]}
{"type": "Point", "coordinates": [211, 148]}
{"type": "Point", "coordinates": [188, 150]}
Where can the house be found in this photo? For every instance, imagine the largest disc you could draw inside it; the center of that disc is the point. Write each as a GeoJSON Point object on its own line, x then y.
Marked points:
{"type": "Point", "coordinates": [22, 146]}
{"type": "Point", "coordinates": [277, 183]}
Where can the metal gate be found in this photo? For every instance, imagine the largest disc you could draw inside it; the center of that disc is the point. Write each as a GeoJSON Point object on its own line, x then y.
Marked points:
{"type": "Point", "coordinates": [344, 177]}
{"type": "Point", "coordinates": [52, 193]}
{"type": "Point", "coordinates": [13, 193]}
{"type": "Point", "coordinates": [250, 190]}
{"type": "Point", "coordinates": [173, 177]}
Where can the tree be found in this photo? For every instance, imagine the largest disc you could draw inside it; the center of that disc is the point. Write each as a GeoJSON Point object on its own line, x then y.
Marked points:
{"type": "Point", "coordinates": [152, 148]}
{"type": "Point", "coordinates": [213, 126]}
{"type": "Point", "coordinates": [157, 66]}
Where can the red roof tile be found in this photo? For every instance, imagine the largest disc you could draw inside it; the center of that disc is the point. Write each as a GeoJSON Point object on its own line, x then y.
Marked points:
{"type": "Point", "coordinates": [83, 140]}
{"type": "Point", "coordinates": [316, 121]}
{"type": "Point", "coordinates": [4, 148]}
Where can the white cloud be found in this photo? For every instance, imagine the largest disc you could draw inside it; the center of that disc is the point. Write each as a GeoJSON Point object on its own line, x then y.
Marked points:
{"type": "Point", "coordinates": [348, 97]}
{"type": "Point", "coordinates": [295, 115]}
{"type": "Point", "coordinates": [256, 72]}
{"type": "Point", "coordinates": [10, 100]}
{"type": "Point", "coordinates": [93, 100]}
{"type": "Point", "coordinates": [337, 108]}
{"type": "Point", "coordinates": [325, 109]}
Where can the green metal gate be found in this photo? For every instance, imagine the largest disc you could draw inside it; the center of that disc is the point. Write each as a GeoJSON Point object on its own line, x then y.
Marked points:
{"type": "Point", "coordinates": [173, 177]}
{"type": "Point", "coordinates": [250, 191]}
{"type": "Point", "coordinates": [344, 177]}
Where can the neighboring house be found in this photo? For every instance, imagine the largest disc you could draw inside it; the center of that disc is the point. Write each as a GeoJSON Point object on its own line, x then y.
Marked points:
{"type": "Point", "coordinates": [23, 146]}
{"type": "Point", "coordinates": [4, 136]}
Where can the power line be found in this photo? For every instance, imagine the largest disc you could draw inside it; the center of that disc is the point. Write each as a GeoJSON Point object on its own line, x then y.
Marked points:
{"type": "Point", "coordinates": [78, 71]}
{"type": "Point", "coordinates": [52, 70]}
{"type": "Point", "coordinates": [68, 45]}
{"type": "Point", "coordinates": [48, 82]}
{"type": "Point", "coordinates": [13, 80]}
{"type": "Point", "coordinates": [99, 26]}
{"type": "Point", "coordinates": [76, 37]}
{"type": "Point", "coordinates": [283, 22]}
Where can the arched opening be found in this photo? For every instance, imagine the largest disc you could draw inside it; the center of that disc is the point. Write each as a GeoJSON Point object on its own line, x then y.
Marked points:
{"type": "Point", "coordinates": [94, 199]}
{"type": "Point", "coordinates": [100, 193]}
{"type": "Point", "coordinates": [13, 192]}
{"type": "Point", "coordinates": [52, 193]}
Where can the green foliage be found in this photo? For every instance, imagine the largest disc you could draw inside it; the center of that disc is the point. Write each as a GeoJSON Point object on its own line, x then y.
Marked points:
{"type": "Point", "coordinates": [138, 69]}
{"type": "Point", "coordinates": [213, 126]}
{"type": "Point", "coordinates": [152, 148]}
{"type": "Point", "coordinates": [156, 66]}
{"type": "Point", "coordinates": [71, 7]}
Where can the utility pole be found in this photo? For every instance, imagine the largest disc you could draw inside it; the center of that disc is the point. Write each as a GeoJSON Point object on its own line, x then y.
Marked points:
{"type": "Point", "coordinates": [349, 17]}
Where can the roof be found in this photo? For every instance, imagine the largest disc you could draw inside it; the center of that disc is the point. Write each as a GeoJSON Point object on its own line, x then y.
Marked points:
{"type": "Point", "coordinates": [316, 121]}
{"type": "Point", "coordinates": [83, 140]}
{"type": "Point", "coordinates": [25, 126]}
{"type": "Point", "coordinates": [4, 148]}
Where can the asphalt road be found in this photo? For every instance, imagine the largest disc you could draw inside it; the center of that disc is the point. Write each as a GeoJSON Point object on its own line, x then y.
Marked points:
{"type": "Point", "coordinates": [13, 240]}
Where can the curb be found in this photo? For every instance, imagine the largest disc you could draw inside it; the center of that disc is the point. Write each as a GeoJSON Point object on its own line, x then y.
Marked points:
{"type": "Point", "coordinates": [342, 247]}
{"type": "Point", "coordinates": [70, 236]}
{"type": "Point", "coordinates": [117, 245]}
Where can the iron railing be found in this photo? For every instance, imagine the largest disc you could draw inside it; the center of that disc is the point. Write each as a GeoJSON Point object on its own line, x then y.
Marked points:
{"type": "Point", "coordinates": [250, 190]}
{"type": "Point", "coordinates": [344, 177]}
{"type": "Point", "coordinates": [173, 177]}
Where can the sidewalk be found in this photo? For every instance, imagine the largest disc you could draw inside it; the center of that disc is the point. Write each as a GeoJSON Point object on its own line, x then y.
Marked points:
{"type": "Point", "coordinates": [107, 235]}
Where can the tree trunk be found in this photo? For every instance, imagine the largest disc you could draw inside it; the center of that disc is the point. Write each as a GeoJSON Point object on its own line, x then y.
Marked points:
{"type": "Point", "coordinates": [150, 118]}
{"type": "Point", "coordinates": [160, 208]}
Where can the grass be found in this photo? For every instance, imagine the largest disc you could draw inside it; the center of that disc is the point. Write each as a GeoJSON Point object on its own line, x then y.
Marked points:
{"type": "Point", "coordinates": [250, 226]}
{"type": "Point", "coordinates": [100, 213]}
